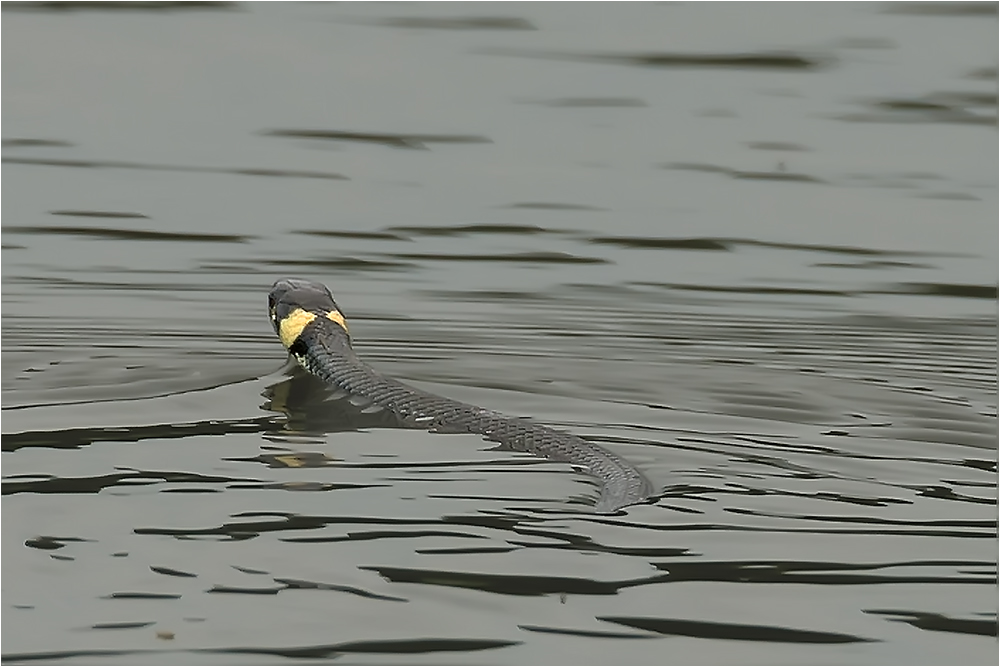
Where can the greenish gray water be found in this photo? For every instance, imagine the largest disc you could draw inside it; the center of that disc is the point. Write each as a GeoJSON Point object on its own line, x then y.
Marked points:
{"type": "Point", "coordinates": [751, 248]}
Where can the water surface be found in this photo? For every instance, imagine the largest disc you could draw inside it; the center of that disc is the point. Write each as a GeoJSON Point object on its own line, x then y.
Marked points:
{"type": "Point", "coordinates": [750, 248]}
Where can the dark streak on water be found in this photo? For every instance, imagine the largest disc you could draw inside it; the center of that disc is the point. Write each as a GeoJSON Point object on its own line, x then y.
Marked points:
{"type": "Point", "coordinates": [590, 102]}
{"type": "Point", "coordinates": [457, 23]}
{"type": "Point", "coordinates": [935, 9]}
{"type": "Point", "coordinates": [393, 140]}
{"type": "Point", "coordinates": [119, 164]}
{"type": "Point", "coordinates": [125, 6]}
{"type": "Point", "coordinates": [766, 60]}
{"type": "Point", "coordinates": [800, 354]}
{"type": "Point", "coordinates": [129, 234]}
{"type": "Point", "coordinates": [100, 214]}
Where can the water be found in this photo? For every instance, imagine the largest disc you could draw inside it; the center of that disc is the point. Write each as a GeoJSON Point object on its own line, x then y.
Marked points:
{"type": "Point", "coordinates": [750, 248]}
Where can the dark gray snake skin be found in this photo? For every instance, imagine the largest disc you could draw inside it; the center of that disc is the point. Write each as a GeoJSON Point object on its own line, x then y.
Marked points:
{"type": "Point", "coordinates": [324, 349]}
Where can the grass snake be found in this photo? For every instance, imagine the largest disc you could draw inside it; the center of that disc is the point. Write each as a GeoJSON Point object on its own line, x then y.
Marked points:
{"type": "Point", "coordinates": [313, 329]}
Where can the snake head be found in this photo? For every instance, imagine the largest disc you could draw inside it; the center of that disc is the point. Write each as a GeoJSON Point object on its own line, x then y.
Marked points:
{"type": "Point", "coordinates": [293, 303]}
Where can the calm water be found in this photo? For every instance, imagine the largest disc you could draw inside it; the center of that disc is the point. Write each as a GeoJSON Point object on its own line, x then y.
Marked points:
{"type": "Point", "coordinates": [752, 248]}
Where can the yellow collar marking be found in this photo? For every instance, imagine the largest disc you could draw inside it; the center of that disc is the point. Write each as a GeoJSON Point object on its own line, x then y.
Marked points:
{"type": "Point", "coordinates": [290, 328]}
{"type": "Point", "coordinates": [337, 317]}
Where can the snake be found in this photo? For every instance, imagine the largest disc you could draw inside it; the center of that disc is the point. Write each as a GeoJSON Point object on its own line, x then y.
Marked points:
{"type": "Point", "coordinates": [313, 329]}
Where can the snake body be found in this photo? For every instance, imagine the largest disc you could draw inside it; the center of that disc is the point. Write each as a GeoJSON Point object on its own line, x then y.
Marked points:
{"type": "Point", "coordinates": [313, 329]}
